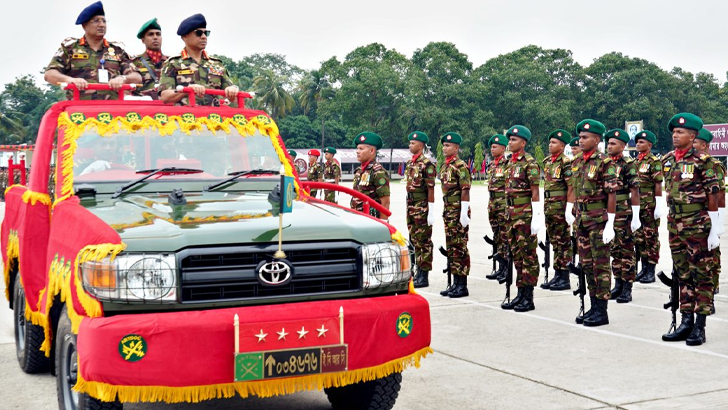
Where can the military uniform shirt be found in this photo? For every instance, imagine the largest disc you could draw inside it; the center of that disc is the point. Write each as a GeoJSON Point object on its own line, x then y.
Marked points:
{"type": "Point", "coordinates": [184, 70]}
{"type": "Point", "coordinates": [649, 174]}
{"type": "Point", "coordinates": [372, 181]}
{"type": "Point", "coordinates": [593, 180]}
{"type": "Point", "coordinates": [148, 81]}
{"type": "Point", "coordinates": [455, 177]}
{"type": "Point", "coordinates": [315, 172]}
{"type": "Point", "coordinates": [332, 170]}
{"type": "Point", "coordinates": [523, 172]}
{"type": "Point", "coordinates": [495, 174]}
{"type": "Point", "coordinates": [557, 174]}
{"type": "Point", "coordinates": [419, 174]}
{"type": "Point", "coordinates": [627, 179]}
{"type": "Point", "coordinates": [691, 179]}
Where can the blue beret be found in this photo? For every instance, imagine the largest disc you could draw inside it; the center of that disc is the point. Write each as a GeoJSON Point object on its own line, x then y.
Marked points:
{"type": "Point", "coordinates": [96, 9]}
{"type": "Point", "coordinates": [191, 23]}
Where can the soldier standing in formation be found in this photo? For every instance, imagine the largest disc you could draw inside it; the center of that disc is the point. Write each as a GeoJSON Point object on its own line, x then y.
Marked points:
{"type": "Point", "coordinates": [151, 61]}
{"type": "Point", "coordinates": [332, 173]}
{"type": "Point", "coordinates": [315, 170]}
{"type": "Point", "coordinates": [575, 148]}
{"type": "Point", "coordinates": [593, 191]}
{"type": "Point", "coordinates": [496, 176]}
{"type": "Point", "coordinates": [692, 197]}
{"type": "Point", "coordinates": [455, 178]}
{"type": "Point", "coordinates": [627, 220]}
{"type": "Point", "coordinates": [420, 176]}
{"type": "Point", "coordinates": [91, 59]}
{"type": "Point", "coordinates": [557, 172]}
{"type": "Point", "coordinates": [371, 179]}
{"type": "Point", "coordinates": [652, 206]}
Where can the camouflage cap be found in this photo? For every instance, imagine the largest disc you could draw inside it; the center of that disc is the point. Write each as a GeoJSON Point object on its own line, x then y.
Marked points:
{"type": "Point", "coordinates": [369, 138]}
{"type": "Point", "coordinates": [685, 120]}
{"type": "Point", "coordinates": [95, 9]}
{"type": "Point", "coordinates": [498, 139]}
{"type": "Point", "coordinates": [519, 131]}
{"type": "Point", "coordinates": [192, 22]}
{"type": "Point", "coordinates": [593, 126]}
{"type": "Point", "coordinates": [452, 137]}
{"type": "Point", "coordinates": [151, 24]}
{"type": "Point", "coordinates": [292, 153]}
{"type": "Point", "coordinates": [705, 135]}
{"type": "Point", "coordinates": [646, 135]}
{"type": "Point", "coordinates": [330, 150]}
{"type": "Point", "coordinates": [419, 136]}
{"type": "Point", "coordinates": [561, 135]}
{"type": "Point", "coordinates": [616, 133]}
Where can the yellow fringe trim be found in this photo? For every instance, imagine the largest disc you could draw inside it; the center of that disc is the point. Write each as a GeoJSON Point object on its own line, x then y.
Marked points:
{"type": "Point", "coordinates": [264, 388]}
{"type": "Point", "coordinates": [399, 238]}
{"type": "Point", "coordinates": [411, 287]}
{"type": "Point", "coordinates": [11, 187]}
{"type": "Point", "coordinates": [35, 197]}
{"type": "Point", "coordinates": [12, 253]}
{"type": "Point", "coordinates": [92, 253]}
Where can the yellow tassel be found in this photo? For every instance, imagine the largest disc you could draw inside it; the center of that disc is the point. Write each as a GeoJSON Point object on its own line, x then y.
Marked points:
{"type": "Point", "coordinates": [35, 197]}
{"type": "Point", "coordinates": [263, 388]}
{"type": "Point", "coordinates": [11, 187]}
{"type": "Point", "coordinates": [411, 287]}
{"type": "Point", "coordinates": [11, 257]}
{"type": "Point", "coordinates": [397, 237]}
{"type": "Point", "coordinates": [92, 253]}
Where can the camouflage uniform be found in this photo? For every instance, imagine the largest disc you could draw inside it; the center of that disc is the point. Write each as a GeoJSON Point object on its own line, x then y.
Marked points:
{"type": "Point", "coordinates": [75, 58]}
{"type": "Point", "coordinates": [315, 174]}
{"type": "Point", "coordinates": [332, 171]}
{"type": "Point", "coordinates": [523, 172]}
{"type": "Point", "coordinates": [687, 186]}
{"type": "Point", "coordinates": [184, 70]}
{"type": "Point", "coordinates": [622, 247]}
{"type": "Point", "coordinates": [594, 178]}
{"type": "Point", "coordinates": [149, 78]}
{"type": "Point", "coordinates": [720, 176]}
{"type": "Point", "coordinates": [557, 173]}
{"type": "Point", "coordinates": [455, 177]}
{"type": "Point", "coordinates": [3, 181]}
{"type": "Point", "coordinates": [420, 176]}
{"type": "Point", "coordinates": [647, 238]}
{"type": "Point", "coordinates": [372, 180]}
{"type": "Point", "coordinates": [496, 176]}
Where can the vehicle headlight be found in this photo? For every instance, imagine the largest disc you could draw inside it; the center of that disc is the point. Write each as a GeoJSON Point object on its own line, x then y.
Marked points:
{"type": "Point", "coordinates": [386, 263]}
{"type": "Point", "coordinates": [132, 278]}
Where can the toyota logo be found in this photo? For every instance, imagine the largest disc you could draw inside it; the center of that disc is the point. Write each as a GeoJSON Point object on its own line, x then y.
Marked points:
{"type": "Point", "coordinates": [274, 273]}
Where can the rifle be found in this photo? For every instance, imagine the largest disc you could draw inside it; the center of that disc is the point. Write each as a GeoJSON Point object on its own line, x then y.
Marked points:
{"type": "Point", "coordinates": [448, 269]}
{"type": "Point", "coordinates": [546, 248]}
{"type": "Point", "coordinates": [508, 280]}
{"type": "Point", "coordinates": [574, 249]}
{"type": "Point", "coordinates": [581, 289]}
{"type": "Point", "coordinates": [674, 303]}
{"type": "Point", "coordinates": [494, 244]}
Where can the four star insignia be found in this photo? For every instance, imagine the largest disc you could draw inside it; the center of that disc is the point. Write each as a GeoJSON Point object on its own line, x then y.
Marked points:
{"type": "Point", "coordinates": [261, 336]}
{"type": "Point", "coordinates": [282, 334]}
{"type": "Point", "coordinates": [322, 331]}
{"type": "Point", "coordinates": [302, 333]}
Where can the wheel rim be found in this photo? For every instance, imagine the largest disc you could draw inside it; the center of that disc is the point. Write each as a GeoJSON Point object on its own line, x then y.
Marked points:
{"type": "Point", "coordinates": [69, 373]}
{"type": "Point", "coordinates": [20, 322]}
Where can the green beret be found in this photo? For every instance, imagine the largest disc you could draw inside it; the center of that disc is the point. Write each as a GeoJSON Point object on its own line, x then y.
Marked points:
{"type": "Point", "coordinates": [453, 137]}
{"type": "Point", "coordinates": [330, 150]}
{"type": "Point", "coordinates": [519, 131]}
{"type": "Point", "coordinates": [151, 24]}
{"type": "Point", "coordinates": [705, 135]}
{"type": "Point", "coordinates": [292, 153]}
{"type": "Point", "coordinates": [685, 120]}
{"type": "Point", "coordinates": [368, 138]}
{"type": "Point", "coordinates": [498, 139]}
{"type": "Point", "coordinates": [646, 135]}
{"type": "Point", "coordinates": [561, 135]}
{"type": "Point", "coordinates": [617, 134]}
{"type": "Point", "coordinates": [419, 136]}
{"type": "Point", "coordinates": [592, 126]}
{"type": "Point", "coordinates": [574, 142]}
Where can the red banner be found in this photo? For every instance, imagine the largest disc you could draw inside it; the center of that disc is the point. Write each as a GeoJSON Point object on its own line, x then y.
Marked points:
{"type": "Point", "coordinates": [719, 145]}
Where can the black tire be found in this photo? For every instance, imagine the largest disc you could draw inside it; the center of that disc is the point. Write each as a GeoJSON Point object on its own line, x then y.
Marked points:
{"type": "Point", "coordinates": [66, 372]}
{"type": "Point", "coordinates": [380, 394]}
{"type": "Point", "coordinates": [28, 337]}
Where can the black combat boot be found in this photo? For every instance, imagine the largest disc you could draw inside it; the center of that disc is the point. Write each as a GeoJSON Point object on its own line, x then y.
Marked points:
{"type": "Point", "coordinates": [599, 315]}
{"type": "Point", "coordinates": [617, 289]}
{"type": "Point", "coordinates": [697, 336]}
{"type": "Point", "coordinates": [683, 331]}
{"type": "Point", "coordinates": [649, 276]}
{"type": "Point", "coordinates": [527, 301]}
{"type": "Point", "coordinates": [563, 282]}
{"type": "Point", "coordinates": [642, 272]}
{"type": "Point", "coordinates": [502, 273]}
{"type": "Point", "coordinates": [592, 304]}
{"type": "Point", "coordinates": [626, 295]}
{"type": "Point", "coordinates": [552, 282]}
{"type": "Point", "coordinates": [498, 272]}
{"type": "Point", "coordinates": [455, 281]}
{"type": "Point", "coordinates": [461, 290]}
{"type": "Point", "coordinates": [421, 280]}
{"type": "Point", "coordinates": [515, 301]}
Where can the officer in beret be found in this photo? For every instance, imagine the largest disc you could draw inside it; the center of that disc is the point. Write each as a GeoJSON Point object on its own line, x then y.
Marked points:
{"type": "Point", "coordinates": [315, 171]}
{"type": "Point", "coordinates": [575, 148]}
{"type": "Point", "coordinates": [293, 154]}
{"type": "Point", "coordinates": [557, 173]}
{"type": "Point", "coordinates": [627, 219]}
{"type": "Point", "coordinates": [593, 190]}
{"type": "Point", "coordinates": [455, 178]}
{"type": "Point", "coordinates": [420, 176]}
{"type": "Point", "coordinates": [332, 173]}
{"type": "Point", "coordinates": [652, 206]}
{"type": "Point", "coordinates": [151, 61]}
{"type": "Point", "coordinates": [694, 224]}
{"type": "Point", "coordinates": [371, 179]}
{"type": "Point", "coordinates": [194, 68]}
{"type": "Point", "coordinates": [92, 59]}
{"type": "Point", "coordinates": [495, 174]}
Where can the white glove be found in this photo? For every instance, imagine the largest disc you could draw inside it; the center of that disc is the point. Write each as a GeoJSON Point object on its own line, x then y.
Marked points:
{"type": "Point", "coordinates": [713, 239]}
{"type": "Point", "coordinates": [570, 218]}
{"type": "Point", "coordinates": [431, 213]}
{"type": "Point", "coordinates": [337, 197]}
{"type": "Point", "coordinates": [721, 219]}
{"type": "Point", "coordinates": [660, 207]}
{"type": "Point", "coordinates": [536, 217]}
{"type": "Point", "coordinates": [608, 234]}
{"type": "Point", "coordinates": [636, 224]}
{"type": "Point", "coordinates": [97, 166]}
{"type": "Point", "coordinates": [464, 220]}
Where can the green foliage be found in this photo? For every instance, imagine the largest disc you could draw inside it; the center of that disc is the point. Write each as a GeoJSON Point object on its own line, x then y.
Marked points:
{"type": "Point", "coordinates": [478, 157]}
{"type": "Point", "coordinates": [22, 106]}
{"type": "Point", "coordinates": [440, 156]}
{"type": "Point", "coordinates": [538, 154]}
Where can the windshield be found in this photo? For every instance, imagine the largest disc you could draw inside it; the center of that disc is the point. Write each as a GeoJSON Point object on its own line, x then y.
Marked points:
{"type": "Point", "coordinates": [117, 156]}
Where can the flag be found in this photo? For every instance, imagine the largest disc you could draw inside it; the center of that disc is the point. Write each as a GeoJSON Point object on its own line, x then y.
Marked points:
{"type": "Point", "coordinates": [287, 194]}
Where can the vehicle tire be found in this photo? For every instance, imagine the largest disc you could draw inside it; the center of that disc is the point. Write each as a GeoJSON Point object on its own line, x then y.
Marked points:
{"type": "Point", "coordinates": [379, 394]}
{"type": "Point", "coordinates": [28, 337]}
{"type": "Point", "coordinates": [67, 372]}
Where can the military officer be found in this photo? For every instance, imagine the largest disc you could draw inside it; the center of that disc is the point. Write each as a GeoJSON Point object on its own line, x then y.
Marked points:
{"type": "Point", "coordinates": [524, 217]}
{"type": "Point", "coordinates": [91, 59]}
{"type": "Point", "coordinates": [455, 178]}
{"type": "Point", "coordinates": [593, 190]}
{"type": "Point", "coordinates": [652, 206]}
{"type": "Point", "coordinates": [627, 220]}
{"type": "Point", "coordinates": [694, 225]}
{"type": "Point", "coordinates": [332, 173]}
{"type": "Point", "coordinates": [194, 68]}
{"type": "Point", "coordinates": [557, 172]}
{"type": "Point", "coordinates": [315, 170]}
{"type": "Point", "coordinates": [575, 148]}
{"type": "Point", "coordinates": [150, 62]}
{"type": "Point", "coordinates": [371, 179]}
{"type": "Point", "coordinates": [293, 154]}
{"type": "Point", "coordinates": [420, 176]}
{"type": "Point", "coordinates": [496, 176]}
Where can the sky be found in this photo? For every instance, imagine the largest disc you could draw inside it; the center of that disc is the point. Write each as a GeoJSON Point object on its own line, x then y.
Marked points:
{"type": "Point", "coordinates": [670, 33]}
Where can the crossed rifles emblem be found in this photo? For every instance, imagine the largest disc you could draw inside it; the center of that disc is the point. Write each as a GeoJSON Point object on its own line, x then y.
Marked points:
{"type": "Point", "coordinates": [404, 325]}
{"type": "Point", "coordinates": [134, 348]}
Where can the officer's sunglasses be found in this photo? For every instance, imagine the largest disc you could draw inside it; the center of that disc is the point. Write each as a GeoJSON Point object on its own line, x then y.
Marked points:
{"type": "Point", "coordinates": [200, 32]}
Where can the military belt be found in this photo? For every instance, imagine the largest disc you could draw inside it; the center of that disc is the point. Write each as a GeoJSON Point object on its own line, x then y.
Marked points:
{"type": "Point", "coordinates": [590, 206]}
{"type": "Point", "coordinates": [416, 196]}
{"type": "Point", "coordinates": [497, 194]}
{"type": "Point", "coordinates": [686, 208]}
{"type": "Point", "coordinates": [518, 201]}
{"type": "Point", "coordinates": [451, 199]}
{"type": "Point", "coordinates": [549, 194]}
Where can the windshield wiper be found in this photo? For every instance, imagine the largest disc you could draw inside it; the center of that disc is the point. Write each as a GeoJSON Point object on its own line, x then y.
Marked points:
{"type": "Point", "coordinates": [152, 172]}
{"type": "Point", "coordinates": [237, 174]}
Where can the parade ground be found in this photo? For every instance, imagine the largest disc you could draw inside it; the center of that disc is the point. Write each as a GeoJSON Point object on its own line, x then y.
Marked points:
{"type": "Point", "coordinates": [488, 358]}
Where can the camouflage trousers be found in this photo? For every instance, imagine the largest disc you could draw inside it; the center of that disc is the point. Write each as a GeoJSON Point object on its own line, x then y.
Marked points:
{"type": "Point", "coordinates": [716, 269]}
{"type": "Point", "coordinates": [456, 239]}
{"type": "Point", "coordinates": [523, 246]}
{"type": "Point", "coordinates": [420, 233]}
{"type": "Point", "coordinates": [647, 238]}
{"type": "Point", "coordinates": [689, 248]}
{"type": "Point", "coordinates": [560, 238]}
{"type": "Point", "coordinates": [622, 248]}
{"type": "Point", "coordinates": [496, 217]}
{"type": "Point", "coordinates": [314, 193]}
{"type": "Point", "coordinates": [330, 196]}
{"type": "Point", "coordinates": [594, 259]}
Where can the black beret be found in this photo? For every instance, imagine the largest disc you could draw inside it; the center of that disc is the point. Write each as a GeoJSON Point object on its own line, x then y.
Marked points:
{"type": "Point", "coordinates": [96, 9]}
{"type": "Point", "coordinates": [191, 23]}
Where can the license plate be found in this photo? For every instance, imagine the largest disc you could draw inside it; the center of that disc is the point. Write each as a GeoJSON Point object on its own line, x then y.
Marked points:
{"type": "Point", "coordinates": [291, 362]}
